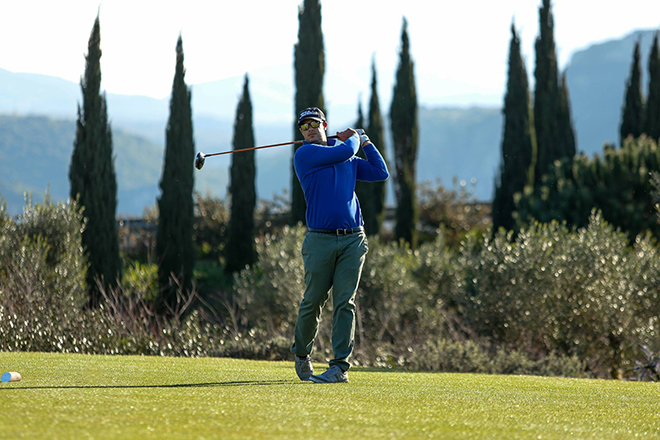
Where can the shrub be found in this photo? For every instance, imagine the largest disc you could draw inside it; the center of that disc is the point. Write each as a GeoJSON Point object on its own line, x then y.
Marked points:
{"type": "Point", "coordinates": [43, 291]}
{"type": "Point", "coordinates": [268, 294]}
{"type": "Point", "coordinates": [455, 211]}
{"type": "Point", "coordinates": [447, 356]}
{"type": "Point", "coordinates": [212, 220]}
{"type": "Point", "coordinates": [122, 324]}
{"type": "Point", "coordinates": [55, 230]}
{"type": "Point", "coordinates": [42, 274]}
{"type": "Point", "coordinates": [388, 295]}
{"type": "Point", "coordinates": [141, 280]}
{"type": "Point", "coordinates": [549, 300]}
{"type": "Point", "coordinates": [401, 294]}
{"type": "Point", "coordinates": [210, 228]}
{"type": "Point", "coordinates": [583, 292]}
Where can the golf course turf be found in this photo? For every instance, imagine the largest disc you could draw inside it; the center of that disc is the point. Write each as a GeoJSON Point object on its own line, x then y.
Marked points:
{"type": "Point", "coordinates": [69, 396]}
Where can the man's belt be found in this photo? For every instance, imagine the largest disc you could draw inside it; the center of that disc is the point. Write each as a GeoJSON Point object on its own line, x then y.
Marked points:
{"type": "Point", "coordinates": [337, 231]}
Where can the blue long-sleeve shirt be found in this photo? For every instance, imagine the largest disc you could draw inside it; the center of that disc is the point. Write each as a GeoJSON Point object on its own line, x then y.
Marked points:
{"type": "Point", "coordinates": [328, 174]}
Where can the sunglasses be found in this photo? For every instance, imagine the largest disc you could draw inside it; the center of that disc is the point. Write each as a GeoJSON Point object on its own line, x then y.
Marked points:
{"type": "Point", "coordinates": [313, 124]}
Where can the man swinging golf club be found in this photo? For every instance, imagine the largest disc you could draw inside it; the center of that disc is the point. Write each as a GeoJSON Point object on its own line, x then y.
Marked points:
{"type": "Point", "coordinates": [335, 246]}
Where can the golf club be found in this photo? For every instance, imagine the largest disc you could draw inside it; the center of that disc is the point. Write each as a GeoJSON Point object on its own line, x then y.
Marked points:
{"type": "Point", "coordinates": [201, 157]}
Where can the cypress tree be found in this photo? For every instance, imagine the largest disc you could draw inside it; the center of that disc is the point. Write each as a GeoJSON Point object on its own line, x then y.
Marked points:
{"type": "Point", "coordinates": [566, 133]}
{"type": "Point", "coordinates": [375, 130]}
{"type": "Point", "coordinates": [517, 141]}
{"type": "Point", "coordinates": [309, 67]}
{"type": "Point", "coordinates": [240, 250]}
{"type": "Point", "coordinates": [404, 123]}
{"type": "Point", "coordinates": [652, 120]}
{"type": "Point", "coordinates": [633, 106]}
{"type": "Point", "coordinates": [175, 249]}
{"type": "Point", "coordinates": [92, 176]}
{"type": "Point", "coordinates": [364, 190]}
{"type": "Point", "coordinates": [552, 140]}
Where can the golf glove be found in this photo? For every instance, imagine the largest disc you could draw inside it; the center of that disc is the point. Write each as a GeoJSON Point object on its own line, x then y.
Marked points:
{"type": "Point", "coordinates": [363, 136]}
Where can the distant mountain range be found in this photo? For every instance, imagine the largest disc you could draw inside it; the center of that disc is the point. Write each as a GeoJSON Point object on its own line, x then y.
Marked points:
{"type": "Point", "coordinates": [38, 128]}
{"type": "Point", "coordinates": [596, 80]}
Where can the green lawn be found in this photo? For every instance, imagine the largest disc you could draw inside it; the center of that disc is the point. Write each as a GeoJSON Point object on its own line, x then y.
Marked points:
{"type": "Point", "coordinates": [131, 397]}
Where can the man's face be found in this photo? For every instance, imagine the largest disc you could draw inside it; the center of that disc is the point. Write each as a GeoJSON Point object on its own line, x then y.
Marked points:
{"type": "Point", "coordinates": [314, 135]}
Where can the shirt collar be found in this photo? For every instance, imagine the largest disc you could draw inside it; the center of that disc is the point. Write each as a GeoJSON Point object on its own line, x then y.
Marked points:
{"type": "Point", "coordinates": [331, 142]}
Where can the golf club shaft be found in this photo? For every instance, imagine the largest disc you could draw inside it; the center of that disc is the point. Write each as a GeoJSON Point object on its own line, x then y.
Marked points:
{"type": "Point", "coordinates": [263, 146]}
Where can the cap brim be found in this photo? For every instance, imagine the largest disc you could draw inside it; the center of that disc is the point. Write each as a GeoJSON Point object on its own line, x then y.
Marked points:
{"type": "Point", "coordinates": [307, 118]}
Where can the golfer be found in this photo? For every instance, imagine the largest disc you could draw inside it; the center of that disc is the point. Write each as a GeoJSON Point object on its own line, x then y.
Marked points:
{"type": "Point", "coordinates": [335, 246]}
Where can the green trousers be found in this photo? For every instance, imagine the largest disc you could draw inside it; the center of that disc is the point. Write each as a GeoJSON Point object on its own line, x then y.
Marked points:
{"type": "Point", "coordinates": [330, 262]}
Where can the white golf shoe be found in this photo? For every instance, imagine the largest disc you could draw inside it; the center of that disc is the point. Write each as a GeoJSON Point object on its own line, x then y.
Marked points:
{"type": "Point", "coordinates": [334, 374]}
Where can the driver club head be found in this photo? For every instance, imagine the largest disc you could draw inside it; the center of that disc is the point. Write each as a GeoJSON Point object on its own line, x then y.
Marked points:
{"type": "Point", "coordinates": [199, 160]}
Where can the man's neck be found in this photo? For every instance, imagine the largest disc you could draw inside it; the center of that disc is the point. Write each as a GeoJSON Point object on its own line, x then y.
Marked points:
{"type": "Point", "coordinates": [323, 142]}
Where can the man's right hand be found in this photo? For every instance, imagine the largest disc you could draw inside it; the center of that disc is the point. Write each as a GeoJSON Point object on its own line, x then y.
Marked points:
{"type": "Point", "coordinates": [344, 135]}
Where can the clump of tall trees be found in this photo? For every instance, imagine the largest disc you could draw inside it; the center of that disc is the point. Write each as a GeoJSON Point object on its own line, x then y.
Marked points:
{"type": "Point", "coordinates": [537, 133]}
{"type": "Point", "coordinates": [639, 115]}
{"type": "Point", "coordinates": [541, 178]}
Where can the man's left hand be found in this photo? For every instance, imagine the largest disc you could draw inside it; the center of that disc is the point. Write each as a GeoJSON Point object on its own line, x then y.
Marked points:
{"type": "Point", "coordinates": [344, 135]}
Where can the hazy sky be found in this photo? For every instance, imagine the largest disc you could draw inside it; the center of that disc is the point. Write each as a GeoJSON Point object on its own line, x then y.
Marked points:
{"type": "Point", "coordinates": [459, 47]}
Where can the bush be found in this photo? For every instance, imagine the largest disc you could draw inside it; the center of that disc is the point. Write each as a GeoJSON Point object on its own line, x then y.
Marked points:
{"type": "Point", "coordinates": [141, 280]}
{"type": "Point", "coordinates": [454, 211]}
{"type": "Point", "coordinates": [122, 324]}
{"type": "Point", "coordinates": [583, 293]}
{"type": "Point", "coordinates": [212, 220]}
{"type": "Point", "coordinates": [43, 293]}
{"type": "Point", "coordinates": [48, 237]}
{"type": "Point", "coordinates": [42, 275]}
{"type": "Point", "coordinates": [210, 228]}
{"type": "Point", "coordinates": [401, 298]}
{"type": "Point", "coordinates": [268, 294]}
{"type": "Point", "coordinates": [388, 294]}
{"type": "Point", "coordinates": [550, 301]}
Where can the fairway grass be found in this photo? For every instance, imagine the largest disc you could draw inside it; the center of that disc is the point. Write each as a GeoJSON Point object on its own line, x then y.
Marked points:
{"type": "Point", "coordinates": [67, 396]}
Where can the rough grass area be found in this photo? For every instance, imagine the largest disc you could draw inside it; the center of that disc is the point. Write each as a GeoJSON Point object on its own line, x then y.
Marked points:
{"type": "Point", "coordinates": [131, 397]}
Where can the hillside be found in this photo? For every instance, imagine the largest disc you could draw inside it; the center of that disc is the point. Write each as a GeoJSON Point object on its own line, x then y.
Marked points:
{"type": "Point", "coordinates": [36, 152]}
{"type": "Point", "coordinates": [460, 143]}
{"type": "Point", "coordinates": [596, 79]}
